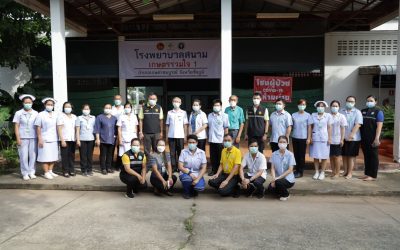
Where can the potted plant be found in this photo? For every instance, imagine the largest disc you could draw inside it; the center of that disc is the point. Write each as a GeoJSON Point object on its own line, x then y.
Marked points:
{"type": "Point", "coordinates": [386, 147]}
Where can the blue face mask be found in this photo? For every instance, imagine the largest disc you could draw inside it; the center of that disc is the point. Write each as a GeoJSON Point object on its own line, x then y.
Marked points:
{"type": "Point", "coordinates": [135, 149]}
{"type": "Point", "coordinates": [370, 104]}
{"type": "Point", "coordinates": [192, 146]}
{"type": "Point", "coordinates": [117, 102]}
{"type": "Point", "coordinates": [227, 144]}
{"type": "Point", "coordinates": [301, 107]}
{"type": "Point", "coordinates": [349, 105]}
{"type": "Point", "coordinates": [253, 150]}
{"type": "Point", "coordinates": [320, 110]}
{"type": "Point", "coordinates": [27, 106]}
{"type": "Point", "coordinates": [335, 109]}
{"type": "Point", "coordinates": [279, 107]}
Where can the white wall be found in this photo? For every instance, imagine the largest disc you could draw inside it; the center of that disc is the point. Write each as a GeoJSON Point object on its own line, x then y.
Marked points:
{"type": "Point", "coordinates": [341, 76]}
{"type": "Point", "coordinates": [10, 80]}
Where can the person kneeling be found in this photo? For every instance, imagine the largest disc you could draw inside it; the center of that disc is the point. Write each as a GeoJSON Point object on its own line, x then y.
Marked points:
{"type": "Point", "coordinates": [253, 180]}
{"type": "Point", "coordinates": [282, 162]}
{"type": "Point", "coordinates": [192, 165]}
{"type": "Point", "coordinates": [226, 179]}
{"type": "Point", "coordinates": [133, 174]}
{"type": "Point", "coordinates": [161, 177]}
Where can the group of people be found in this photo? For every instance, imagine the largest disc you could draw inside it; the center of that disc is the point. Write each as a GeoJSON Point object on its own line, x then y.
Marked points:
{"type": "Point", "coordinates": [330, 134]}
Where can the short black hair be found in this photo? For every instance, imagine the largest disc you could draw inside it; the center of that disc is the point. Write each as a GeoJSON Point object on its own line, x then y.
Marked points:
{"type": "Point", "coordinates": [228, 135]}
{"type": "Point", "coordinates": [135, 139]}
{"type": "Point", "coordinates": [215, 101]}
{"type": "Point", "coordinates": [196, 100]}
{"type": "Point", "coordinates": [151, 93]}
{"type": "Point", "coordinates": [283, 137]}
{"type": "Point", "coordinates": [335, 101]}
{"type": "Point", "coordinates": [280, 100]}
{"type": "Point", "coordinates": [251, 141]}
{"type": "Point", "coordinates": [128, 103]}
{"type": "Point", "coordinates": [85, 105]}
{"type": "Point", "coordinates": [257, 94]}
{"type": "Point", "coordinates": [371, 96]}
{"type": "Point", "coordinates": [193, 137]}
{"type": "Point", "coordinates": [65, 103]}
{"type": "Point", "coordinates": [351, 96]}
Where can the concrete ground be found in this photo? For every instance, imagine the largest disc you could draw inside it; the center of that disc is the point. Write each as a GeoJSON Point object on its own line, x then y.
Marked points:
{"type": "Point", "coordinates": [106, 220]}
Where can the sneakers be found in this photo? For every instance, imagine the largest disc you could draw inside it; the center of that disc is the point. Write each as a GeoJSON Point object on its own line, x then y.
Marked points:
{"type": "Point", "coordinates": [25, 178]}
{"type": "Point", "coordinates": [130, 196]}
{"type": "Point", "coordinates": [284, 198]}
{"type": "Point", "coordinates": [48, 176]}
{"type": "Point", "coordinates": [32, 176]}
{"type": "Point", "coordinates": [316, 175]}
{"type": "Point", "coordinates": [53, 174]}
{"type": "Point", "coordinates": [321, 176]}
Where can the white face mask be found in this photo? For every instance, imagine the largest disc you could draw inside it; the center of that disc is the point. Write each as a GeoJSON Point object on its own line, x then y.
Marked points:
{"type": "Point", "coordinates": [176, 105]}
{"type": "Point", "coordinates": [107, 111]}
{"type": "Point", "coordinates": [86, 111]}
{"type": "Point", "coordinates": [256, 101]}
{"type": "Point", "coordinates": [152, 102]}
{"type": "Point", "coordinates": [216, 109]}
{"type": "Point", "coordinates": [67, 110]}
{"type": "Point", "coordinates": [196, 108]}
{"type": "Point", "coordinates": [282, 145]}
{"type": "Point", "coordinates": [49, 108]}
{"type": "Point", "coordinates": [232, 104]}
{"type": "Point", "coordinates": [161, 149]}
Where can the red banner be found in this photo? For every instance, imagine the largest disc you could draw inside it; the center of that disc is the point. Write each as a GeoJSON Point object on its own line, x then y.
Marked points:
{"type": "Point", "coordinates": [274, 87]}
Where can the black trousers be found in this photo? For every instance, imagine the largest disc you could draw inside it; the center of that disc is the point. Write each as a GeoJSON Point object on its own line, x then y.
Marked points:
{"type": "Point", "coordinates": [281, 188]}
{"type": "Point", "coordinates": [215, 155]}
{"type": "Point", "coordinates": [86, 156]}
{"type": "Point", "coordinates": [150, 143]}
{"type": "Point", "coordinates": [371, 159]}
{"type": "Point", "coordinates": [156, 183]}
{"type": "Point", "coordinates": [68, 157]}
{"type": "Point", "coordinates": [117, 164]}
{"type": "Point", "coordinates": [106, 156]}
{"type": "Point", "coordinates": [299, 151]}
{"type": "Point", "coordinates": [133, 184]}
{"type": "Point", "coordinates": [175, 148]}
{"type": "Point", "coordinates": [201, 144]}
{"type": "Point", "coordinates": [258, 182]}
{"type": "Point", "coordinates": [260, 142]}
{"type": "Point", "coordinates": [229, 189]}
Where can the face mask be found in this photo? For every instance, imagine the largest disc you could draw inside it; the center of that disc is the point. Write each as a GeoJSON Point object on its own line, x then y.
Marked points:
{"type": "Point", "coordinates": [107, 111]}
{"type": "Point", "coordinates": [301, 107]}
{"type": "Point", "coordinates": [253, 150]}
{"type": "Point", "coordinates": [152, 102]}
{"type": "Point", "coordinates": [320, 109]}
{"type": "Point", "coordinates": [256, 101]}
{"type": "Point", "coordinates": [349, 105]}
{"type": "Point", "coordinates": [232, 103]}
{"type": "Point", "coordinates": [195, 108]}
{"type": "Point", "coordinates": [278, 107]}
{"type": "Point", "coordinates": [176, 105]}
{"type": "Point", "coordinates": [216, 109]}
{"type": "Point", "coordinates": [49, 108]}
{"type": "Point", "coordinates": [27, 106]}
{"type": "Point", "coordinates": [135, 149]}
{"type": "Point", "coordinates": [282, 145]}
{"type": "Point", "coordinates": [370, 104]}
{"type": "Point", "coordinates": [67, 110]}
{"type": "Point", "coordinates": [192, 146]}
{"type": "Point", "coordinates": [86, 111]}
{"type": "Point", "coordinates": [161, 149]}
{"type": "Point", "coordinates": [127, 110]}
{"type": "Point", "coordinates": [227, 144]}
{"type": "Point", "coordinates": [117, 102]}
{"type": "Point", "coordinates": [335, 109]}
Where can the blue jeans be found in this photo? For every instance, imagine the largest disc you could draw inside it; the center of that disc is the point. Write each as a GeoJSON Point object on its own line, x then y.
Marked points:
{"type": "Point", "coordinates": [188, 188]}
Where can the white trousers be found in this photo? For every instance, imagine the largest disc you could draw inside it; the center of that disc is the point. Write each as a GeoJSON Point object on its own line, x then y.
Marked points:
{"type": "Point", "coordinates": [27, 155]}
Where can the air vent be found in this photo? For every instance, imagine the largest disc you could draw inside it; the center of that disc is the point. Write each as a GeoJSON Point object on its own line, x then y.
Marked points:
{"type": "Point", "coordinates": [367, 47]}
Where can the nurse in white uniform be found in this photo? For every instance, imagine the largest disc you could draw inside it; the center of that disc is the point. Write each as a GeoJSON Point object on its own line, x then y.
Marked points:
{"type": "Point", "coordinates": [46, 128]}
{"type": "Point", "coordinates": [319, 138]}
{"type": "Point", "coordinates": [127, 129]}
{"type": "Point", "coordinates": [67, 139]}
{"type": "Point", "coordinates": [26, 136]}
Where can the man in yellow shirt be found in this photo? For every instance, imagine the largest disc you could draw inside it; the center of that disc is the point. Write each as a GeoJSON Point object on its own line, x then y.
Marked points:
{"type": "Point", "coordinates": [226, 179]}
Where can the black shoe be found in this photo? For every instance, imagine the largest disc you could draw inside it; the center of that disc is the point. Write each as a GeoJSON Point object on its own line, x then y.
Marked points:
{"type": "Point", "coordinates": [157, 192]}
{"type": "Point", "coordinates": [168, 193]}
{"type": "Point", "coordinates": [195, 193]}
{"type": "Point", "coordinates": [131, 196]}
{"type": "Point", "coordinates": [260, 195]}
{"type": "Point", "coordinates": [186, 196]}
{"type": "Point", "coordinates": [298, 175]}
{"type": "Point", "coordinates": [211, 173]}
{"type": "Point", "coordinates": [66, 175]}
{"type": "Point", "coordinates": [236, 192]}
{"type": "Point", "coordinates": [110, 171]}
{"type": "Point", "coordinates": [250, 190]}
{"type": "Point", "coordinates": [84, 173]}
{"type": "Point", "coordinates": [72, 174]}
{"type": "Point", "coordinates": [104, 172]}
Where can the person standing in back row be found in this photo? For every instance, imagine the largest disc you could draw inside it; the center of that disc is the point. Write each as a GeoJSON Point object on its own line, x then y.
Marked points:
{"type": "Point", "coordinates": [281, 124]}
{"type": "Point", "coordinates": [236, 120]}
{"type": "Point", "coordinates": [151, 123]}
{"type": "Point", "coordinates": [117, 110]}
{"type": "Point", "coordinates": [257, 123]}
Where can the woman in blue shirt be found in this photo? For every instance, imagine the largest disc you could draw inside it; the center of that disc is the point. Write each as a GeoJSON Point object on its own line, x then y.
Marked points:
{"type": "Point", "coordinates": [85, 139]}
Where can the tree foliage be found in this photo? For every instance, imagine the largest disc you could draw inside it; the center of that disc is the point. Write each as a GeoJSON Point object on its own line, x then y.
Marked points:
{"type": "Point", "coordinates": [21, 30]}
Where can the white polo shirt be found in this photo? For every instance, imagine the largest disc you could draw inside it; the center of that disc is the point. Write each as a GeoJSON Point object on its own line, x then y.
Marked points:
{"type": "Point", "coordinates": [200, 120]}
{"type": "Point", "coordinates": [68, 129]}
{"type": "Point", "coordinates": [117, 112]}
{"type": "Point", "coordinates": [176, 120]}
{"type": "Point", "coordinates": [26, 122]}
{"type": "Point", "coordinates": [128, 124]}
{"type": "Point", "coordinates": [255, 165]}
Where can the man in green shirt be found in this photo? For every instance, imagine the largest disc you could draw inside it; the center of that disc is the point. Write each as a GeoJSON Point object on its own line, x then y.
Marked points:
{"type": "Point", "coordinates": [236, 120]}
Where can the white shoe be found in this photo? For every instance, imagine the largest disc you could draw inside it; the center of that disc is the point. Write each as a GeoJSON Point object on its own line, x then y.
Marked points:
{"type": "Point", "coordinates": [32, 176]}
{"type": "Point", "coordinates": [284, 198]}
{"type": "Point", "coordinates": [321, 176]}
{"type": "Point", "coordinates": [316, 175]}
{"type": "Point", "coordinates": [53, 174]}
{"type": "Point", "coordinates": [25, 178]}
{"type": "Point", "coordinates": [48, 176]}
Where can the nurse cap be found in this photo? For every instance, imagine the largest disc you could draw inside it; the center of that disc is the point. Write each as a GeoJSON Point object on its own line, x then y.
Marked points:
{"type": "Point", "coordinates": [48, 98]}
{"type": "Point", "coordinates": [21, 97]}
{"type": "Point", "coordinates": [324, 102]}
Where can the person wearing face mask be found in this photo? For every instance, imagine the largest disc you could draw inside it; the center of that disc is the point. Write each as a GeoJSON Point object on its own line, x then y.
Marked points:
{"type": "Point", "coordinates": [218, 124]}
{"type": "Point", "coordinates": [117, 109]}
{"type": "Point", "coordinates": [192, 166]}
{"type": "Point", "coordinates": [253, 180]}
{"type": "Point", "coordinates": [162, 178]}
{"type": "Point", "coordinates": [236, 120]}
{"type": "Point", "coordinates": [85, 139]}
{"type": "Point", "coordinates": [46, 128]}
{"type": "Point", "coordinates": [257, 122]}
{"type": "Point", "coordinates": [127, 130]}
{"type": "Point", "coordinates": [281, 123]}
{"type": "Point", "coordinates": [133, 174]}
{"type": "Point", "coordinates": [320, 138]}
{"type": "Point", "coordinates": [26, 137]}
{"type": "Point", "coordinates": [370, 138]}
{"type": "Point", "coordinates": [352, 137]}
{"type": "Point", "coordinates": [67, 140]}
{"type": "Point", "coordinates": [151, 118]}
{"type": "Point", "coordinates": [176, 128]}
{"type": "Point", "coordinates": [338, 128]}
{"type": "Point", "coordinates": [299, 136]}
{"type": "Point", "coordinates": [282, 163]}
{"type": "Point", "coordinates": [226, 180]}
{"type": "Point", "coordinates": [105, 130]}
{"type": "Point", "coordinates": [198, 124]}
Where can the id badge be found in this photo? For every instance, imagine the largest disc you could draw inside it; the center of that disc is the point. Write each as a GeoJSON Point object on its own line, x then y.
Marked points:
{"type": "Point", "coordinates": [163, 170]}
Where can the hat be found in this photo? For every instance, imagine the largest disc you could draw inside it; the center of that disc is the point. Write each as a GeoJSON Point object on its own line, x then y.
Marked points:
{"type": "Point", "coordinates": [21, 97]}
{"type": "Point", "coordinates": [47, 99]}
{"type": "Point", "coordinates": [324, 102]}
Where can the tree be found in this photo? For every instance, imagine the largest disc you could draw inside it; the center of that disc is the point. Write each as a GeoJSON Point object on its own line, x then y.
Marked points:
{"type": "Point", "coordinates": [21, 30]}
